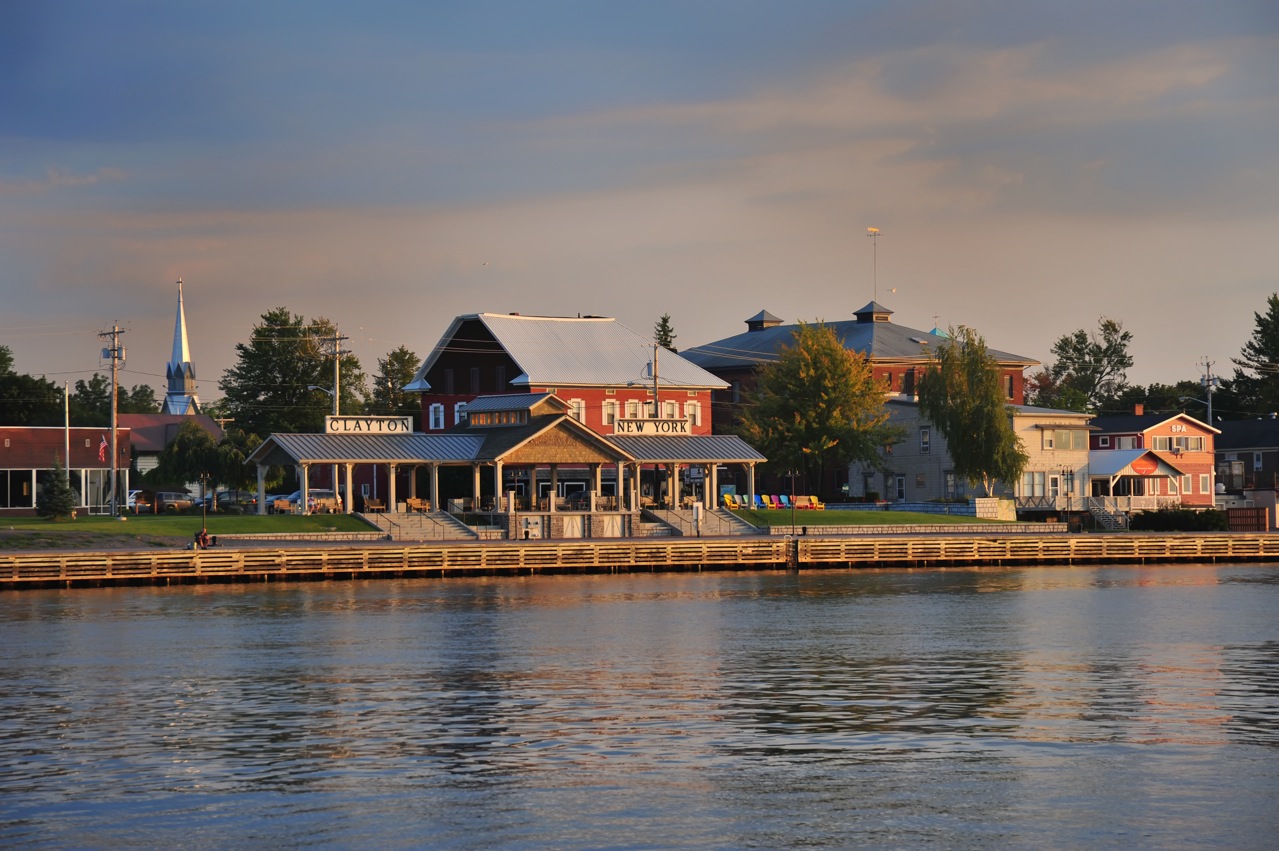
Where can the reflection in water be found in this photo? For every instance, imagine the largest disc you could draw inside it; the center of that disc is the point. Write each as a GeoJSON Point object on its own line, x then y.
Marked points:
{"type": "Point", "coordinates": [1035, 707]}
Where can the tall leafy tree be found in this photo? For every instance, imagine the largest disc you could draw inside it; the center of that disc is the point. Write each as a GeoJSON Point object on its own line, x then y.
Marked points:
{"type": "Point", "coordinates": [388, 397]}
{"type": "Point", "coordinates": [29, 401]}
{"type": "Point", "coordinates": [91, 401]}
{"type": "Point", "coordinates": [1089, 371]}
{"type": "Point", "coordinates": [963, 394]}
{"type": "Point", "coordinates": [192, 453]}
{"type": "Point", "coordinates": [664, 333]}
{"type": "Point", "coordinates": [6, 360]}
{"type": "Point", "coordinates": [1256, 382]}
{"type": "Point", "coordinates": [269, 388]}
{"type": "Point", "coordinates": [818, 405]}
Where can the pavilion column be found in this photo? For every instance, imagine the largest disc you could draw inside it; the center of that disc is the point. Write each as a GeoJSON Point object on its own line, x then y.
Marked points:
{"type": "Point", "coordinates": [710, 498]}
{"type": "Point", "coordinates": [261, 488]}
{"type": "Point", "coordinates": [498, 496]}
{"type": "Point", "coordinates": [390, 488]}
{"type": "Point", "coordinates": [413, 482]}
{"type": "Point", "coordinates": [750, 483]}
{"type": "Point", "coordinates": [621, 483]}
{"type": "Point", "coordinates": [555, 488]}
{"type": "Point", "coordinates": [475, 487]}
{"type": "Point", "coordinates": [673, 489]}
{"type": "Point", "coordinates": [350, 495]}
{"type": "Point", "coordinates": [435, 487]}
{"type": "Point", "coordinates": [306, 488]}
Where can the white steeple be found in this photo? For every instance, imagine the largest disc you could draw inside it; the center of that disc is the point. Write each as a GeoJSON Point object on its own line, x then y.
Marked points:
{"type": "Point", "coordinates": [180, 398]}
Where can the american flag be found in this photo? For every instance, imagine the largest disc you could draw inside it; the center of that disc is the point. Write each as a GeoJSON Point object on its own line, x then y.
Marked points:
{"type": "Point", "coordinates": [102, 449]}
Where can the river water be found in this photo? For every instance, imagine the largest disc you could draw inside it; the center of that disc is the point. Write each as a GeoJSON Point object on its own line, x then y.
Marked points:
{"type": "Point", "coordinates": [1048, 707]}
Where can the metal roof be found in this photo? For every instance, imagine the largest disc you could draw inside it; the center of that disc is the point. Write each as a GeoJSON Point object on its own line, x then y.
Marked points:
{"type": "Point", "coordinates": [1109, 463]}
{"type": "Point", "coordinates": [511, 402]}
{"type": "Point", "coordinates": [367, 448]}
{"type": "Point", "coordinates": [687, 448]}
{"type": "Point", "coordinates": [1138, 423]}
{"type": "Point", "coordinates": [554, 351]}
{"type": "Point", "coordinates": [879, 340]}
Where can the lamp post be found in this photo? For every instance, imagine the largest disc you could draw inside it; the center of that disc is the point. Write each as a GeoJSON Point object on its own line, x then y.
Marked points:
{"type": "Point", "coordinates": [1068, 482]}
{"type": "Point", "coordinates": [204, 503]}
{"type": "Point", "coordinates": [333, 393]}
{"type": "Point", "coordinates": [792, 501]}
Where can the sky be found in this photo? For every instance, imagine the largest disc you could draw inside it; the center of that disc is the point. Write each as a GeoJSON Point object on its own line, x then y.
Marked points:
{"type": "Point", "coordinates": [1032, 167]}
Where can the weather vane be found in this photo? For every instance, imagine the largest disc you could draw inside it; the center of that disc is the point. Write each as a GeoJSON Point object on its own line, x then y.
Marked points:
{"type": "Point", "coordinates": [873, 233]}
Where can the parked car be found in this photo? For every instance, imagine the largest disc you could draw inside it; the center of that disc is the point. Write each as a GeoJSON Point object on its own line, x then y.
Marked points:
{"type": "Point", "coordinates": [318, 502]}
{"type": "Point", "coordinates": [139, 502]}
{"type": "Point", "coordinates": [173, 501]}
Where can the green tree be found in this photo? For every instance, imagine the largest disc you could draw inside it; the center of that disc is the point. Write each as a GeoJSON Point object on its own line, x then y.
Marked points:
{"type": "Point", "coordinates": [29, 401]}
{"type": "Point", "coordinates": [963, 395]}
{"type": "Point", "coordinates": [1090, 370]}
{"type": "Point", "coordinates": [664, 333]}
{"type": "Point", "coordinates": [1256, 382]}
{"type": "Point", "coordinates": [56, 499]}
{"type": "Point", "coordinates": [91, 402]}
{"type": "Point", "coordinates": [270, 387]}
{"type": "Point", "coordinates": [192, 454]}
{"type": "Point", "coordinates": [394, 372]}
{"type": "Point", "coordinates": [6, 360]}
{"type": "Point", "coordinates": [817, 405]}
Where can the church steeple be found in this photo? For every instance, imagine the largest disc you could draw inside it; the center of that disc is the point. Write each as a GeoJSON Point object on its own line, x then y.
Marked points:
{"type": "Point", "coordinates": [180, 398]}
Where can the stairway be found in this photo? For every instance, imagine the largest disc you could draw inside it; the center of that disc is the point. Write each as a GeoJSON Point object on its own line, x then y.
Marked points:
{"type": "Point", "coordinates": [422, 526]}
{"type": "Point", "coordinates": [1108, 517]}
{"type": "Point", "coordinates": [716, 523]}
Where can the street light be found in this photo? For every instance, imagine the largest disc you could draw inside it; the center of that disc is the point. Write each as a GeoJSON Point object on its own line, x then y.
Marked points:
{"type": "Point", "coordinates": [334, 395]}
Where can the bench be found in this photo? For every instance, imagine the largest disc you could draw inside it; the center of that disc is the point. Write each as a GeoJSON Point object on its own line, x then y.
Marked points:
{"type": "Point", "coordinates": [372, 505]}
{"type": "Point", "coordinates": [422, 505]}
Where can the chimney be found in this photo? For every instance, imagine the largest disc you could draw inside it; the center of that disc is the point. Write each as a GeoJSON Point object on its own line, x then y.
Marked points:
{"type": "Point", "coordinates": [1139, 410]}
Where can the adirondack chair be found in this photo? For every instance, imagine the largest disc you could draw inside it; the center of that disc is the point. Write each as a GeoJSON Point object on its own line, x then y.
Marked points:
{"type": "Point", "coordinates": [760, 502]}
{"type": "Point", "coordinates": [786, 503]}
{"type": "Point", "coordinates": [774, 501]}
{"type": "Point", "coordinates": [816, 505]}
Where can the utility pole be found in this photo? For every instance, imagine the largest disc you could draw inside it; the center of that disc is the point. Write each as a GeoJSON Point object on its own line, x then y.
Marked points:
{"type": "Point", "coordinates": [1209, 382]}
{"type": "Point", "coordinates": [116, 353]}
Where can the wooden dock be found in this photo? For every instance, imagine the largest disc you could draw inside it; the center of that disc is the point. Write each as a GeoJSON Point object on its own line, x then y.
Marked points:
{"type": "Point", "coordinates": [269, 563]}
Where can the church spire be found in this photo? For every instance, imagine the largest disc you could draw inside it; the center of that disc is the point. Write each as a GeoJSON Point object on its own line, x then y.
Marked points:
{"type": "Point", "coordinates": [180, 398]}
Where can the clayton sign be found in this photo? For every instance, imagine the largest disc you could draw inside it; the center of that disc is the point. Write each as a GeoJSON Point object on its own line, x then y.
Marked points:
{"type": "Point", "coordinates": [650, 427]}
{"type": "Point", "coordinates": [368, 425]}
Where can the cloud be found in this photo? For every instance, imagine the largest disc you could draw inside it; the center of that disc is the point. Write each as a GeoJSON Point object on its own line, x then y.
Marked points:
{"type": "Point", "coordinates": [59, 178]}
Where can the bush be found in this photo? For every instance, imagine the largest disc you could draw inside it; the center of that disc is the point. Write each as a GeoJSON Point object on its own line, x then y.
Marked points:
{"type": "Point", "coordinates": [1180, 520]}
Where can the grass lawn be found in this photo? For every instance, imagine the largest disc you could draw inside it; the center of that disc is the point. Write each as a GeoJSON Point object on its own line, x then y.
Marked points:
{"type": "Point", "coordinates": [854, 518]}
{"type": "Point", "coordinates": [165, 530]}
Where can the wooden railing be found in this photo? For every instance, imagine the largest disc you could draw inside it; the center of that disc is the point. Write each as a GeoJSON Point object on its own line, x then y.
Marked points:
{"type": "Point", "coordinates": [619, 555]}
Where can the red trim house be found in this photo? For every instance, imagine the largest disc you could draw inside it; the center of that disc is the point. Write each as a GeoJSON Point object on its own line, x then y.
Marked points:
{"type": "Point", "coordinates": [1179, 440]}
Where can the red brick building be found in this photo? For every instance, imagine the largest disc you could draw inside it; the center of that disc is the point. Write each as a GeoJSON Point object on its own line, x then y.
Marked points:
{"type": "Point", "coordinates": [28, 455]}
{"type": "Point", "coordinates": [603, 370]}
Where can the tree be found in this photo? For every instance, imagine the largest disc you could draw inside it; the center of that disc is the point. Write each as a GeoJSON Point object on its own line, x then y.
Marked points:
{"type": "Point", "coordinates": [56, 499]}
{"type": "Point", "coordinates": [29, 401]}
{"type": "Point", "coordinates": [664, 333]}
{"type": "Point", "coordinates": [269, 388]}
{"type": "Point", "coordinates": [394, 372]}
{"type": "Point", "coordinates": [192, 454]}
{"type": "Point", "coordinates": [963, 395]}
{"type": "Point", "coordinates": [1256, 381]}
{"type": "Point", "coordinates": [818, 404]}
{"type": "Point", "coordinates": [91, 402]}
{"type": "Point", "coordinates": [6, 360]}
{"type": "Point", "coordinates": [1090, 369]}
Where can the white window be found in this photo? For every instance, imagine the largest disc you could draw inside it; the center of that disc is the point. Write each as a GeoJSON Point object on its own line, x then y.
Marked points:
{"type": "Point", "coordinates": [671, 410]}
{"type": "Point", "coordinates": [1187, 484]}
{"type": "Point", "coordinates": [1054, 486]}
{"type": "Point", "coordinates": [1103, 442]}
{"type": "Point", "coordinates": [1161, 444]}
{"type": "Point", "coordinates": [632, 409]}
{"type": "Point", "coordinates": [1049, 438]}
{"type": "Point", "coordinates": [1256, 460]}
{"type": "Point", "coordinates": [925, 440]}
{"type": "Point", "coordinates": [693, 413]}
{"type": "Point", "coordinates": [1170, 486]}
{"type": "Point", "coordinates": [459, 413]}
{"type": "Point", "coordinates": [1205, 483]}
{"type": "Point", "coordinates": [1032, 483]}
{"type": "Point", "coordinates": [437, 416]}
{"type": "Point", "coordinates": [1126, 443]}
{"type": "Point", "coordinates": [577, 410]}
{"type": "Point", "coordinates": [610, 412]}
